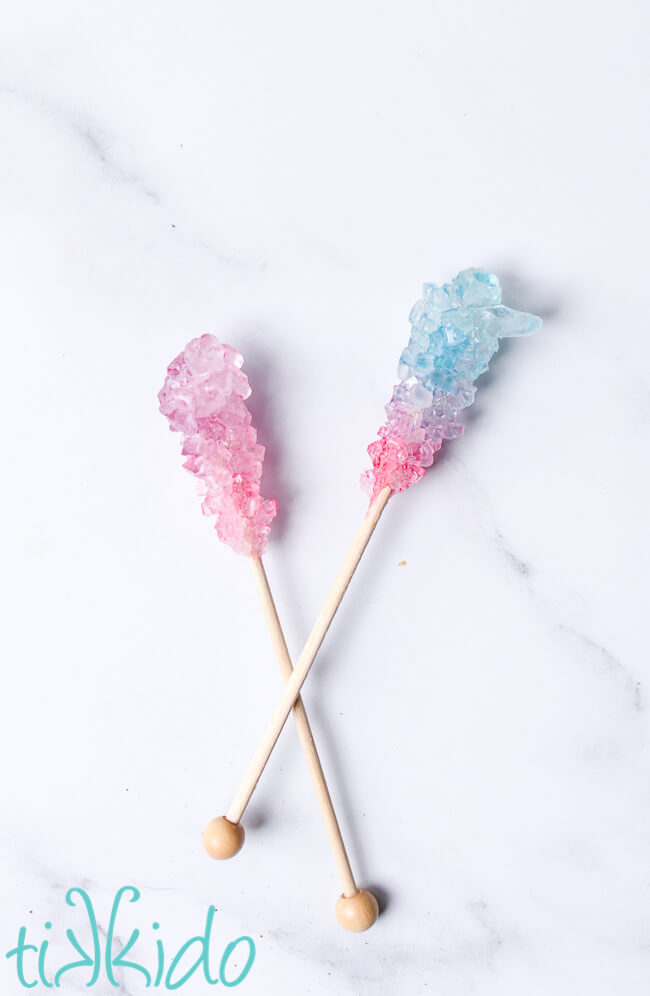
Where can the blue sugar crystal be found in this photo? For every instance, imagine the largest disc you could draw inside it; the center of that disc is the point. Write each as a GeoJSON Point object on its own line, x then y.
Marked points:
{"type": "Point", "coordinates": [477, 287]}
{"type": "Point", "coordinates": [456, 330]}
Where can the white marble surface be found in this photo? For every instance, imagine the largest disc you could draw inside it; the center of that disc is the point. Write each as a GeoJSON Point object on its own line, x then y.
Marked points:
{"type": "Point", "coordinates": [286, 175]}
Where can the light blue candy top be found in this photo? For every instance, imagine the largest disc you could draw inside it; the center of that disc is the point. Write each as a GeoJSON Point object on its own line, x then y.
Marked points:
{"type": "Point", "coordinates": [455, 332]}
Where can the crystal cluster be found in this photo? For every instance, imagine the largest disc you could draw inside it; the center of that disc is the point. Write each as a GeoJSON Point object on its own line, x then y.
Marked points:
{"type": "Point", "coordinates": [203, 397]}
{"type": "Point", "coordinates": [455, 331]}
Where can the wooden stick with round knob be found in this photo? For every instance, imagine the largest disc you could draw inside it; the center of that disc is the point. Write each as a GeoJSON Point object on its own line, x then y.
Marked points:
{"type": "Point", "coordinates": [223, 837]}
{"type": "Point", "coordinates": [292, 691]}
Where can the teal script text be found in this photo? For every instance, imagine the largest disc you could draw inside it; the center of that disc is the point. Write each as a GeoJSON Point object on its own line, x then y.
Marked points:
{"type": "Point", "coordinates": [98, 962]}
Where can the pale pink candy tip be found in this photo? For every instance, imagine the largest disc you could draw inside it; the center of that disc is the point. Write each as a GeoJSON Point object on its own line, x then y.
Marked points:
{"type": "Point", "coordinates": [203, 397]}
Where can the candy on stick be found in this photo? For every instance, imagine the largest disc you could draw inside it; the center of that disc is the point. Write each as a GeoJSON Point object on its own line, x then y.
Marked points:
{"type": "Point", "coordinates": [204, 399]}
{"type": "Point", "coordinates": [455, 331]}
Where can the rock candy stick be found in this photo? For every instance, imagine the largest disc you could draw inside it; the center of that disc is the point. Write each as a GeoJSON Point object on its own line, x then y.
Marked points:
{"type": "Point", "coordinates": [204, 399]}
{"type": "Point", "coordinates": [455, 331]}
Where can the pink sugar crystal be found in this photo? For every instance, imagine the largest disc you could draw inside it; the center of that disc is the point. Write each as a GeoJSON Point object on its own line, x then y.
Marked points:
{"type": "Point", "coordinates": [203, 398]}
{"type": "Point", "coordinates": [398, 459]}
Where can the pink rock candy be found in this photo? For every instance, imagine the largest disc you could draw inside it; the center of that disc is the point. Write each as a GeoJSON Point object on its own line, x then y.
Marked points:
{"type": "Point", "coordinates": [203, 398]}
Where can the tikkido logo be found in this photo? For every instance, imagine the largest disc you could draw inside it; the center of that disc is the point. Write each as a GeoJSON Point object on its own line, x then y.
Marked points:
{"type": "Point", "coordinates": [104, 956]}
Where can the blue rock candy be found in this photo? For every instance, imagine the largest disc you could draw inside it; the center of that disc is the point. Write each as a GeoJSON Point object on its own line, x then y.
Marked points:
{"type": "Point", "coordinates": [455, 332]}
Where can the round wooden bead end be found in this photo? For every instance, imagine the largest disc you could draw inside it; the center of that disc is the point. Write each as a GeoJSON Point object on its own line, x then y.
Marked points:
{"type": "Point", "coordinates": [357, 912]}
{"type": "Point", "coordinates": [222, 839]}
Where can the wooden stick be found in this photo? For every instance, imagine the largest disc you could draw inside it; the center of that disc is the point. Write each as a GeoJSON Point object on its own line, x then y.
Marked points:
{"type": "Point", "coordinates": [304, 731]}
{"type": "Point", "coordinates": [306, 659]}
